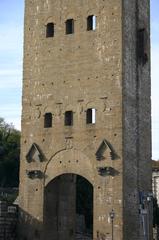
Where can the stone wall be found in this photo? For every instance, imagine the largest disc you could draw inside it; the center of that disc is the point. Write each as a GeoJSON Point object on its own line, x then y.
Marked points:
{"type": "Point", "coordinates": [136, 115]}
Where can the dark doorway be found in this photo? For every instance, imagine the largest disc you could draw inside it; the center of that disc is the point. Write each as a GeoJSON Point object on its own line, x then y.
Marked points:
{"type": "Point", "coordinates": [68, 208]}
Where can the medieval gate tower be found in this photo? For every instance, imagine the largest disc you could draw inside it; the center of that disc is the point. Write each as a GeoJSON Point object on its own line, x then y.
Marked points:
{"type": "Point", "coordinates": [86, 129]}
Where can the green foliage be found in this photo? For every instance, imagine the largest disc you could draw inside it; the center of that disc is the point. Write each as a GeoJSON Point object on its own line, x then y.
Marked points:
{"type": "Point", "coordinates": [9, 155]}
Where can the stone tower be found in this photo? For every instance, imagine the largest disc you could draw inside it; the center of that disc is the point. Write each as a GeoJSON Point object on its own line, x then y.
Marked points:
{"type": "Point", "coordinates": [86, 129]}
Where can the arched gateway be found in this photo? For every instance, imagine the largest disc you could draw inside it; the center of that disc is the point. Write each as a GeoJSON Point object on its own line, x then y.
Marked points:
{"type": "Point", "coordinates": [68, 208]}
{"type": "Point", "coordinates": [86, 139]}
{"type": "Point", "coordinates": [68, 197]}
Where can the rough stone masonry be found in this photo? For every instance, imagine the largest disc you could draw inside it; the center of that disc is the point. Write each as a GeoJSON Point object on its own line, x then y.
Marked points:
{"type": "Point", "coordinates": [86, 120]}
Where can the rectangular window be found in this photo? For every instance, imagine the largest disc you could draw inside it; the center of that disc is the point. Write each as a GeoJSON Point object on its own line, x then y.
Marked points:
{"type": "Point", "coordinates": [48, 120]}
{"type": "Point", "coordinates": [142, 46]}
{"type": "Point", "coordinates": [91, 23]}
{"type": "Point", "coordinates": [50, 30]}
{"type": "Point", "coordinates": [69, 26]}
{"type": "Point", "coordinates": [68, 118]}
{"type": "Point", "coordinates": [91, 116]}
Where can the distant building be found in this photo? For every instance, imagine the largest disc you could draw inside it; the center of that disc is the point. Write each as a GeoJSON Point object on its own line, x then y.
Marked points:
{"type": "Point", "coordinates": [155, 179]}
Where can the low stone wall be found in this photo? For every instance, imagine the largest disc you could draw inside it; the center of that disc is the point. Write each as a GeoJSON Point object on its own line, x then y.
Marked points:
{"type": "Point", "coordinates": [8, 221]}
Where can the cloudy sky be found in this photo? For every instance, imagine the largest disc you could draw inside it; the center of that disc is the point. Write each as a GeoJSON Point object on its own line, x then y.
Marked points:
{"type": "Point", "coordinates": [11, 54]}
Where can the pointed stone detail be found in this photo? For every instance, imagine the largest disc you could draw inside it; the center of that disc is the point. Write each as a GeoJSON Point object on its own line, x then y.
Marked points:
{"type": "Point", "coordinates": [34, 154]}
{"type": "Point", "coordinates": [105, 146]}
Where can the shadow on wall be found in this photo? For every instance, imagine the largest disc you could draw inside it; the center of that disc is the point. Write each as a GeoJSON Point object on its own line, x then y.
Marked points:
{"type": "Point", "coordinates": [31, 227]}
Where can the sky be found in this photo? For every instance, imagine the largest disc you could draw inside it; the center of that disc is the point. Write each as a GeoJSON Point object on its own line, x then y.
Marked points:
{"type": "Point", "coordinates": [11, 61]}
{"type": "Point", "coordinates": [155, 77]}
{"type": "Point", "coordinates": [11, 55]}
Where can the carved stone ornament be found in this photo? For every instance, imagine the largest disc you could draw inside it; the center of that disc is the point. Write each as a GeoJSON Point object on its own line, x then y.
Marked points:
{"type": "Point", "coordinates": [107, 171]}
{"type": "Point", "coordinates": [35, 154]}
{"type": "Point", "coordinates": [34, 174]}
{"type": "Point", "coordinates": [104, 146]}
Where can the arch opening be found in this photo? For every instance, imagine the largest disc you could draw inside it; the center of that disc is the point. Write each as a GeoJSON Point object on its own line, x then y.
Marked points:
{"type": "Point", "coordinates": [68, 208]}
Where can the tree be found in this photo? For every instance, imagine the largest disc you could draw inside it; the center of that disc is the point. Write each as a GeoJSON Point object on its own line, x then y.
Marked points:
{"type": "Point", "coordinates": [9, 155]}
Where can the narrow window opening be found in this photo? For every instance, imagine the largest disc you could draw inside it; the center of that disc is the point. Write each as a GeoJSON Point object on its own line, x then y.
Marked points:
{"type": "Point", "coordinates": [91, 116]}
{"type": "Point", "coordinates": [91, 22]}
{"type": "Point", "coordinates": [50, 30]}
{"type": "Point", "coordinates": [142, 46]}
{"type": "Point", "coordinates": [48, 120]}
{"type": "Point", "coordinates": [68, 118]}
{"type": "Point", "coordinates": [69, 26]}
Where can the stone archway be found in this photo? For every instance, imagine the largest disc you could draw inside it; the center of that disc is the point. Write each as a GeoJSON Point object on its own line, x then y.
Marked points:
{"type": "Point", "coordinates": [64, 174]}
{"type": "Point", "coordinates": [68, 208]}
{"type": "Point", "coordinates": [69, 161]}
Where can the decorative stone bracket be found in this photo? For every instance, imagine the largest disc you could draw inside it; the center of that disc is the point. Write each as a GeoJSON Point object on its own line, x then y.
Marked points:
{"type": "Point", "coordinates": [35, 174]}
{"type": "Point", "coordinates": [107, 171]}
